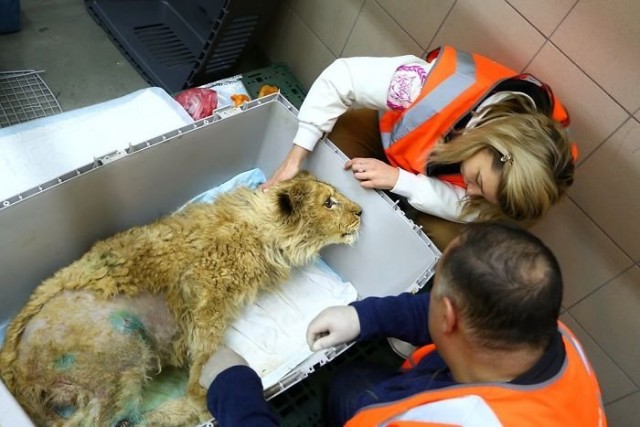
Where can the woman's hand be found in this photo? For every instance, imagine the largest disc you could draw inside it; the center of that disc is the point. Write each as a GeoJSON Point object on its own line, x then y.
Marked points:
{"type": "Point", "coordinates": [373, 173]}
{"type": "Point", "coordinates": [289, 167]}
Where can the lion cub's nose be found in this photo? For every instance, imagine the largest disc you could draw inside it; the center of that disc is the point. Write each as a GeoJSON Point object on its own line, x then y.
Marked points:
{"type": "Point", "coordinates": [358, 212]}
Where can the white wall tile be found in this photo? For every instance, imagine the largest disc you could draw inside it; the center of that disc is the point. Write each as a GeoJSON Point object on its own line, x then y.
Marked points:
{"type": "Point", "coordinates": [298, 42]}
{"type": "Point", "coordinates": [587, 257]}
{"type": "Point", "coordinates": [330, 20]}
{"type": "Point", "coordinates": [624, 412]}
{"type": "Point", "coordinates": [612, 317]}
{"type": "Point", "coordinates": [271, 42]}
{"type": "Point", "coordinates": [614, 384]}
{"type": "Point", "coordinates": [377, 34]}
{"type": "Point", "coordinates": [544, 14]}
{"type": "Point", "coordinates": [421, 19]}
{"type": "Point", "coordinates": [491, 28]}
{"type": "Point", "coordinates": [589, 126]}
{"type": "Point", "coordinates": [606, 187]}
{"type": "Point", "coordinates": [603, 38]}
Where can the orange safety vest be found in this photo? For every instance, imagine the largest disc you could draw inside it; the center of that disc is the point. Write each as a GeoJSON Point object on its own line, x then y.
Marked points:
{"type": "Point", "coordinates": [570, 398]}
{"type": "Point", "coordinates": [456, 84]}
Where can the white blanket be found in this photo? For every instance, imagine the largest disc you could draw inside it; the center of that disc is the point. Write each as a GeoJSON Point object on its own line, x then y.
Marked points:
{"type": "Point", "coordinates": [271, 334]}
{"type": "Point", "coordinates": [35, 152]}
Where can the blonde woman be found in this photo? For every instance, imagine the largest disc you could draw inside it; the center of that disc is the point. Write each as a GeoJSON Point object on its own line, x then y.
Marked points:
{"type": "Point", "coordinates": [458, 136]}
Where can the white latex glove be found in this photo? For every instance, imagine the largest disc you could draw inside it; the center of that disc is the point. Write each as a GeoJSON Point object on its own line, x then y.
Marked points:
{"type": "Point", "coordinates": [222, 359]}
{"type": "Point", "coordinates": [333, 326]}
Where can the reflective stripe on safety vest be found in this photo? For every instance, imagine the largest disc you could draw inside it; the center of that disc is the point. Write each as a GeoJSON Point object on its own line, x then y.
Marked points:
{"type": "Point", "coordinates": [456, 84]}
{"type": "Point", "coordinates": [570, 398]}
{"type": "Point", "coordinates": [432, 103]}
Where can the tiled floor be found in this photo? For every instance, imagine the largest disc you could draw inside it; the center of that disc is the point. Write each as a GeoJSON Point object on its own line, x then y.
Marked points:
{"type": "Point", "coordinates": [81, 65]}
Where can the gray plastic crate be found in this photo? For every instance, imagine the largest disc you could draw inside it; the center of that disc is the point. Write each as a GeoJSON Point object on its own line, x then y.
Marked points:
{"type": "Point", "coordinates": [177, 44]}
{"type": "Point", "coordinates": [155, 177]}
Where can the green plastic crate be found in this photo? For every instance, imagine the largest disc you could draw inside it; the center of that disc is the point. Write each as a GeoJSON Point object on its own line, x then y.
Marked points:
{"type": "Point", "coordinates": [278, 75]}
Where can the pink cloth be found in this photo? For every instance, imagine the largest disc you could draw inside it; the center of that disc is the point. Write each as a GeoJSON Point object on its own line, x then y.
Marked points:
{"type": "Point", "coordinates": [405, 86]}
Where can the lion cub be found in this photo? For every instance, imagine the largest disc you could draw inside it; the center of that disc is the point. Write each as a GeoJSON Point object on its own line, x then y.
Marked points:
{"type": "Point", "coordinates": [90, 337]}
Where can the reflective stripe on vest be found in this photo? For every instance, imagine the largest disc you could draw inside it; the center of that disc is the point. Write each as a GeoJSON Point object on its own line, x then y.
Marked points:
{"type": "Point", "coordinates": [570, 398]}
{"type": "Point", "coordinates": [444, 94]}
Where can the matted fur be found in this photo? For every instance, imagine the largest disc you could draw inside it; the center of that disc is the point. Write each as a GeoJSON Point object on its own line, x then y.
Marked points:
{"type": "Point", "coordinates": [89, 338]}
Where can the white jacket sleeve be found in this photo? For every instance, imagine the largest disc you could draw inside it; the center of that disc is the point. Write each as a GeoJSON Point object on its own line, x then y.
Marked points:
{"type": "Point", "coordinates": [348, 82]}
{"type": "Point", "coordinates": [433, 196]}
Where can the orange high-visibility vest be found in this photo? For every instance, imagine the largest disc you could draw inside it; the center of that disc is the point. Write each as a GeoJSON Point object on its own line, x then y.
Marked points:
{"type": "Point", "coordinates": [570, 398]}
{"type": "Point", "coordinates": [456, 84]}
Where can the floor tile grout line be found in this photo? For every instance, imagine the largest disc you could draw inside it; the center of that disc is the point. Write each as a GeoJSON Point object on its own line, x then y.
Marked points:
{"type": "Point", "coordinates": [397, 23]}
{"type": "Point", "coordinates": [622, 397]}
{"type": "Point", "coordinates": [589, 77]}
{"type": "Point", "coordinates": [353, 26]}
{"type": "Point", "coordinates": [575, 202]}
{"type": "Point", "coordinates": [606, 282]}
{"type": "Point", "coordinates": [547, 39]}
{"type": "Point", "coordinates": [453, 5]}
{"type": "Point", "coordinates": [293, 11]}
{"type": "Point", "coordinates": [564, 18]}
{"type": "Point", "coordinates": [605, 140]}
{"type": "Point", "coordinates": [606, 353]}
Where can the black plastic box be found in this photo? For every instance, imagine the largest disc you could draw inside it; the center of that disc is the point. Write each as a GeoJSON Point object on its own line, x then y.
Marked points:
{"type": "Point", "coordinates": [177, 44]}
{"type": "Point", "coordinates": [9, 16]}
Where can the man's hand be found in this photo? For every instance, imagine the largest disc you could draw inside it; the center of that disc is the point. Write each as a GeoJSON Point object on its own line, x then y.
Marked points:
{"type": "Point", "coordinates": [289, 167]}
{"type": "Point", "coordinates": [333, 326]}
{"type": "Point", "coordinates": [219, 361]}
{"type": "Point", "coordinates": [373, 173]}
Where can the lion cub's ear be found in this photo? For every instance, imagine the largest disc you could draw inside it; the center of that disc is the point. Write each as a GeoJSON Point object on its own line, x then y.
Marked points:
{"type": "Point", "coordinates": [292, 197]}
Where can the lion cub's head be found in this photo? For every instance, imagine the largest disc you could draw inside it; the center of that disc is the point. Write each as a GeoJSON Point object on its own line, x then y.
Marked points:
{"type": "Point", "coordinates": [321, 213]}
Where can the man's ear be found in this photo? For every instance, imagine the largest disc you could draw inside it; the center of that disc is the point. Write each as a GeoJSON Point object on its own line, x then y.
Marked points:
{"type": "Point", "coordinates": [450, 316]}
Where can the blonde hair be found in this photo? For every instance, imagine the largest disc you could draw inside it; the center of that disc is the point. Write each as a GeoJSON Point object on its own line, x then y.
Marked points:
{"type": "Point", "coordinates": [531, 152]}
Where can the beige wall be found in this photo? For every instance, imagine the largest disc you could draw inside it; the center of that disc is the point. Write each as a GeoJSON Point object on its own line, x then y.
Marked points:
{"type": "Point", "coordinates": [588, 51]}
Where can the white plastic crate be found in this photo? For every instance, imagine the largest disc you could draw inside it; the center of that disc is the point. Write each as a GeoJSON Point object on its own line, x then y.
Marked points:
{"type": "Point", "coordinates": [48, 227]}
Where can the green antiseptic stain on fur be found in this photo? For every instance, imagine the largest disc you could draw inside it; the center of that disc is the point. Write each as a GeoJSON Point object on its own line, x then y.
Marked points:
{"type": "Point", "coordinates": [170, 384]}
{"type": "Point", "coordinates": [128, 323]}
{"type": "Point", "coordinates": [65, 362]}
{"type": "Point", "coordinates": [65, 411]}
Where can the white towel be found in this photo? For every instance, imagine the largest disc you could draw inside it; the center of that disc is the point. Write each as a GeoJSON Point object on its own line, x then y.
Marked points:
{"type": "Point", "coordinates": [271, 334]}
{"type": "Point", "coordinates": [40, 150]}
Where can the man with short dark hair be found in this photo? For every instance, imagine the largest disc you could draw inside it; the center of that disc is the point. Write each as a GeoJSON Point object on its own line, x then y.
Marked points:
{"type": "Point", "coordinates": [493, 351]}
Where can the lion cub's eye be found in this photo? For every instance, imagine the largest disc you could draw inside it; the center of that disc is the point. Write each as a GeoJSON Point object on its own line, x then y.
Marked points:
{"type": "Point", "coordinates": [329, 203]}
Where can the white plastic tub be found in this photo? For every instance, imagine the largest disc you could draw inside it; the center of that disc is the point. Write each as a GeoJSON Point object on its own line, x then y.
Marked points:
{"type": "Point", "coordinates": [47, 227]}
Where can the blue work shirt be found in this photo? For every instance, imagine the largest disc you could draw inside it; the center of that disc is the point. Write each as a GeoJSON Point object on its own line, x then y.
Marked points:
{"type": "Point", "coordinates": [236, 397]}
